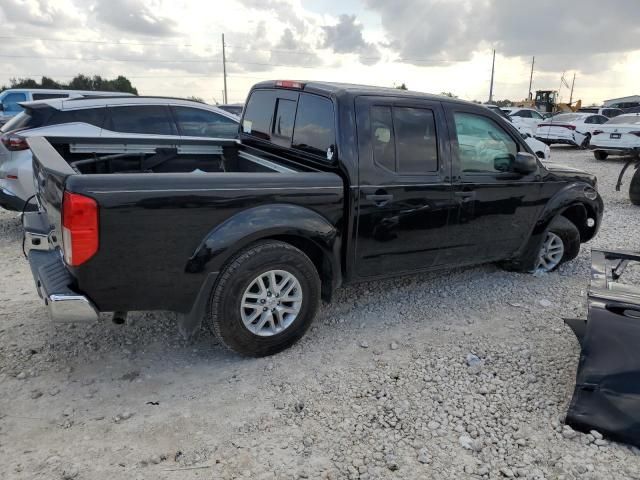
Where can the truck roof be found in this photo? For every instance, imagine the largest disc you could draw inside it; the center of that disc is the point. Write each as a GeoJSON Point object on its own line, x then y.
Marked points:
{"type": "Point", "coordinates": [338, 89]}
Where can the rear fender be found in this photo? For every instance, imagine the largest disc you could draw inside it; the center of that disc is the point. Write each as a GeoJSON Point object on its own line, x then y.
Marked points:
{"type": "Point", "coordinates": [303, 226]}
{"type": "Point", "coordinates": [258, 223]}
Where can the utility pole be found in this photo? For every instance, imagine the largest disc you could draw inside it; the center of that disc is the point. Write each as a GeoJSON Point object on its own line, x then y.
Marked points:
{"type": "Point", "coordinates": [493, 68]}
{"type": "Point", "coordinates": [224, 70]}
{"type": "Point", "coordinates": [572, 85]}
{"type": "Point", "coordinates": [533, 62]}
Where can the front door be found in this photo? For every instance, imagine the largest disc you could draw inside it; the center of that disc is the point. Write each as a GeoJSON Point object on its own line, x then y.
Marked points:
{"type": "Point", "coordinates": [404, 194]}
{"type": "Point", "coordinates": [497, 208]}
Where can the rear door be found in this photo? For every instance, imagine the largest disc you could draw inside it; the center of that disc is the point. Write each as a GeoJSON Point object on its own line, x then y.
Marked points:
{"type": "Point", "coordinates": [497, 208]}
{"type": "Point", "coordinates": [404, 196]}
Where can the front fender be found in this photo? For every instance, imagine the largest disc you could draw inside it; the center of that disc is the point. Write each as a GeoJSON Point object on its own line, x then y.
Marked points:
{"type": "Point", "coordinates": [570, 196]}
{"type": "Point", "coordinates": [265, 221]}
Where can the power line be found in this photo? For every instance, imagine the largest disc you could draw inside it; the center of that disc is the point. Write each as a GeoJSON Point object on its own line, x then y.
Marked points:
{"type": "Point", "coordinates": [100, 42]}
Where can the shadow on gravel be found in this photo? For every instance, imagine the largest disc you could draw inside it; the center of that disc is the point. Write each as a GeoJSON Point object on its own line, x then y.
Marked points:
{"type": "Point", "coordinates": [10, 228]}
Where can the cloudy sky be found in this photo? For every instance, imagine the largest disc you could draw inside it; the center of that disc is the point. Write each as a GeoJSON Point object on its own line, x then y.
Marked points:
{"type": "Point", "coordinates": [173, 47]}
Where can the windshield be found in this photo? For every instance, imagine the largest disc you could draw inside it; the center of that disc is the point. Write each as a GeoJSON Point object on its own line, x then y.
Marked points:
{"type": "Point", "coordinates": [629, 119]}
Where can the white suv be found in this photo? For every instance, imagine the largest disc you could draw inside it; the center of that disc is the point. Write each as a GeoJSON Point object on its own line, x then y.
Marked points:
{"type": "Point", "coordinates": [116, 117]}
{"type": "Point", "coordinates": [11, 99]}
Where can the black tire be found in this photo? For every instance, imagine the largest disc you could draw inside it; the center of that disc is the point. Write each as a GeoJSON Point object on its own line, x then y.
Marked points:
{"type": "Point", "coordinates": [585, 143]}
{"type": "Point", "coordinates": [563, 228]}
{"type": "Point", "coordinates": [600, 154]}
{"type": "Point", "coordinates": [570, 236]}
{"type": "Point", "coordinates": [224, 317]}
{"type": "Point", "coordinates": [634, 188]}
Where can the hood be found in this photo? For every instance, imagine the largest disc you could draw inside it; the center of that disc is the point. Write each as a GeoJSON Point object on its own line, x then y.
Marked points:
{"type": "Point", "coordinates": [569, 173]}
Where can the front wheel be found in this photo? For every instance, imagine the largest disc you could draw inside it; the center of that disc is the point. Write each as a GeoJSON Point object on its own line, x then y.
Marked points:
{"type": "Point", "coordinates": [634, 188]}
{"type": "Point", "coordinates": [265, 299]}
{"type": "Point", "coordinates": [561, 243]}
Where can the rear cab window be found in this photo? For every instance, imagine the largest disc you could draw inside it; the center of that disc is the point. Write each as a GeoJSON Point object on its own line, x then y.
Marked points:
{"type": "Point", "coordinates": [291, 119]}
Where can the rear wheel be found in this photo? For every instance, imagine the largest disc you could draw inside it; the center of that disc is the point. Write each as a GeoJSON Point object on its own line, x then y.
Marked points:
{"type": "Point", "coordinates": [265, 299]}
{"type": "Point", "coordinates": [634, 188]}
{"type": "Point", "coordinates": [585, 143]}
{"type": "Point", "coordinates": [561, 244]}
{"type": "Point", "coordinates": [600, 154]}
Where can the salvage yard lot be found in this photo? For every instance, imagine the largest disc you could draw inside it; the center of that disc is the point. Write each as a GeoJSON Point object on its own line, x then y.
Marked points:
{"type": "Point", "coordinates": [379, 388]}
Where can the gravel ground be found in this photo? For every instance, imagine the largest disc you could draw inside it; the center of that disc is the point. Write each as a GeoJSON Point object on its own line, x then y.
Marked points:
{"type": "Point", "coordinates": [462, 375]}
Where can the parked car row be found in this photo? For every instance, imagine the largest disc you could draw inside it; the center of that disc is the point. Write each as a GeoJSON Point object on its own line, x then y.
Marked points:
{"type": "Point", "coordinates": [136, 118]}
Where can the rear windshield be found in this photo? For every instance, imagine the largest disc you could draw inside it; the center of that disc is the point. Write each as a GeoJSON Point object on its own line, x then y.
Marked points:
{"type": "Point", "coordinates": [566, 117]}
{"type": "Point", "coordinates": [30, 118]}
{"type": "Point", "coordinates": [629, 119]}
{"type": "Point", "coordinates": [306, 124]}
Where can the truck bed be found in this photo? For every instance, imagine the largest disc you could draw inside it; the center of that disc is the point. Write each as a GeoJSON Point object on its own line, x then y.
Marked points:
{"type": "Point", "coordinates": [159, 210]}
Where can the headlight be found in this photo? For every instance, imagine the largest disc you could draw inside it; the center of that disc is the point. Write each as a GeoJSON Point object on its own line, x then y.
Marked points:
{"type": "Point", "coordinates": [591, 193]}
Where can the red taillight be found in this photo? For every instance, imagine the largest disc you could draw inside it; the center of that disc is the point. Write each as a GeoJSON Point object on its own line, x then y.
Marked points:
{"type": "Point", "coordinates": [570, 127]}
{"type": "Point", "coordinates": [79, 228]}
{"type": "Point", "coordinates": [14, 142]}
{"type": "Point", "coordinates": [289, 84]}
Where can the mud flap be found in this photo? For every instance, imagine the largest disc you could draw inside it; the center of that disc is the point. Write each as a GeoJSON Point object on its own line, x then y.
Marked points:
{"type": "Point", "coordinates": [607, 393]}
{"type": "Point", "coordinates": [189, 323]}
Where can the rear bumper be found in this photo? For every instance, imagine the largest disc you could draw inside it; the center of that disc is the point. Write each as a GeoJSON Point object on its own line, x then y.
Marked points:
{"type": "Point", "coordinates": [616, 150]}
{"type": "Point", "coordinates": [53, 280]}
{"type": "Point", "coordinates": [553, 141]}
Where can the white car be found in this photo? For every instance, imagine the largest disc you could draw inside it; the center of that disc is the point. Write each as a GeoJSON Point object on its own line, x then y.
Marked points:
{"type": "Point", "coordinates": [540, 149]}
{"type": "Point", "coordinates": [606, 111]}
{"type": "Point", "coordinates": [115, 117]}
{"type": "Point", "coordinates": [11, 99]}
{"type": "Point", "coordinates": [527, 118]}
{"type": "Point", "coordinates": [570, 129]}
{"type": "Point", "coordinates": [619, 136]}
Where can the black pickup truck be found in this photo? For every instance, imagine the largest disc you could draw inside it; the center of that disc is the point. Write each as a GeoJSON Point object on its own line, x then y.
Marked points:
{"type": "Point", "coordinates": [327, 184]}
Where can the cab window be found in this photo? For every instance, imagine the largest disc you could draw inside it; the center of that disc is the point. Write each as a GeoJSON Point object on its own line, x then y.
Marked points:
{"type": "Point", "coordinates": [483, 146]}
{"type": "Point", "coordinates": [404, 139]}
{"type": "Point", "coordinates": [314, 131]}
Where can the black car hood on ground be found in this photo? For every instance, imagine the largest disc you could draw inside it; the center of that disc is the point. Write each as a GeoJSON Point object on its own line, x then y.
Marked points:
{"type": "Point", "coordinates": [563, 171]}
{"type": "Point", "coordinates": [607, 393]}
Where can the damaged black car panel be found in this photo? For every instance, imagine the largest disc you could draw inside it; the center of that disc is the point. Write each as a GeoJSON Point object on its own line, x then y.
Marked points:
{"type": "Point", "coordinates": [607, 393]}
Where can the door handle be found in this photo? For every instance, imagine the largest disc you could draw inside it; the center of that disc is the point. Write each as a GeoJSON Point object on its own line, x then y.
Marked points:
{"type": "Point", "coordinates": [380, 199]}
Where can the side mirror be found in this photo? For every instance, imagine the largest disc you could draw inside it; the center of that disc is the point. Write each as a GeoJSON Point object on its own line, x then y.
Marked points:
{"type": "Point", "coordinates": [524, 163]}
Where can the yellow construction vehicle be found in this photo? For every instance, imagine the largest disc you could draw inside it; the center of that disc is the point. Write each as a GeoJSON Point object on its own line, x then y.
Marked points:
{"type": "Point", "coordinates": [546, 101]}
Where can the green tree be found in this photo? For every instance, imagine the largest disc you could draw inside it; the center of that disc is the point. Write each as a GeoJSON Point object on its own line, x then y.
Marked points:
{"type": "Point", "coordinates": [195, 99]}
{"type": "Point", "coordinates": [402, 86]}
{"type": "Point", "coordinates": [504, 103]}
{"type": "Point", "coordinates": [79, 82]}
{"type": "Point", "coordinates": [448, 94]}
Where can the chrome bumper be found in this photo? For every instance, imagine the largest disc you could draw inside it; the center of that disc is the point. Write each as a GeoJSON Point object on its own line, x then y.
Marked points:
{"type": "Point", "coordinates": [53, 280]}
